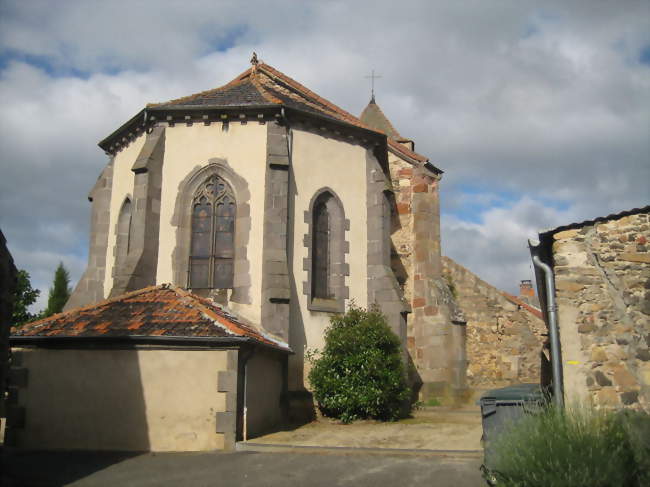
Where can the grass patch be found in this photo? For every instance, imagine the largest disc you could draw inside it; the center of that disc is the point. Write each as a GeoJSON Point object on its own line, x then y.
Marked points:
{"type": "Point", "coordinates": [577, 447]}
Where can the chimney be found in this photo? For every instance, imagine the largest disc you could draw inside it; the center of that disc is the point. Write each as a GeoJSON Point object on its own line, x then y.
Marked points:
{"type": "Point", "coordinates": [526, 289]}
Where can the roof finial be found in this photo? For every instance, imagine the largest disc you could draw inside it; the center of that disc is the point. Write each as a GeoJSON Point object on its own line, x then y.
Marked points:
{"type": "Point", "coordinates": [373, 77]}
{"type": "Point", "coordinates": [254, 60]}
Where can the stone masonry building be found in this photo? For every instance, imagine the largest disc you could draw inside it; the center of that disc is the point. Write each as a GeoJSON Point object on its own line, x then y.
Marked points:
{"type": "Point", "coordinates": [602, 280]}
{"type": "Point", "coordinates": [277, 207]}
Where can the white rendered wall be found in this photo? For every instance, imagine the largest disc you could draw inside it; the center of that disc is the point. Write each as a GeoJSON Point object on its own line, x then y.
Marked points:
{"type": "Point", "coordinates": [319, 162]}
{"type": "Point", "coordinates": [243, 146]}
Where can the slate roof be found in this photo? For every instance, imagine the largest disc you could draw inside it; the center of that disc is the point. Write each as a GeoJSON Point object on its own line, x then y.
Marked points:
{"type": "Point", "coordinates": [156, 311]}
{"type": "Point", "coordinates": [373, 116]}
{"type": "Point", "coordinates": [264, 86]}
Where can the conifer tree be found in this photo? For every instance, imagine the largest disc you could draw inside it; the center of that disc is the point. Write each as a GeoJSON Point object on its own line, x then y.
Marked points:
{"type": "Point", "coordinates": [59, 292]}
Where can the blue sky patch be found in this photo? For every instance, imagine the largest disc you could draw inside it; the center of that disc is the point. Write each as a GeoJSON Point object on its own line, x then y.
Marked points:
{"type": "Point", "coordinates": [44, 63]}
{"type": "Point", "coordinates": [221, 40]}
{"type": "Point", "coordinates": [644, 56]}
{"type": "Point", "coordinates": [468, 202]}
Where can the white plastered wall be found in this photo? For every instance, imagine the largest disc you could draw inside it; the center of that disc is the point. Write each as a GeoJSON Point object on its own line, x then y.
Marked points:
{"type": "Point", "coordinates": [123, 180]}
{"type": "Point", "coordinates": [319, 162]}
{"type": "Point", "coordinates": [130, 400]}
{"type": "Point", "coordinates": [243, 146]}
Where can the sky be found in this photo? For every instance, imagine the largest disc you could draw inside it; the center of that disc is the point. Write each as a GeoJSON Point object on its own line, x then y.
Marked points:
{"type": "Point", "coordinates": [538, 112]}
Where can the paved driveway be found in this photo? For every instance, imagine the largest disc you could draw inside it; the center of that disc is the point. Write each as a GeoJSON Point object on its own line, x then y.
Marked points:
{"type": "Point", "coordinates": [239, 469]}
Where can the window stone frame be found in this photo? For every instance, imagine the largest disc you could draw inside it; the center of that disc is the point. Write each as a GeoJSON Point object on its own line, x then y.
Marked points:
{"type": "Point", "coordinates": [339, 247]}
{"type": "Point", "coordinates": [182, 221]}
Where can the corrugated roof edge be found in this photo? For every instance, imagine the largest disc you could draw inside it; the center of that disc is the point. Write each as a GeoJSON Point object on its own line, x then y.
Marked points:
{"type": "Point", "coordinates": [613, 216]}
{"type": "Point", "coordinates": [142, 339]}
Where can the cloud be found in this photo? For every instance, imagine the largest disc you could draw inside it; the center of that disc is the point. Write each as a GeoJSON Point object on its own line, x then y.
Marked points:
{"type": "Point", "coordinates": [530, 109]}
{"type": "Point", "coordinates": [496, 247]}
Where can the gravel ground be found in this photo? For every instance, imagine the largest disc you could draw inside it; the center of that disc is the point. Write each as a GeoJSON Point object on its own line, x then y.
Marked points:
{"type": "Point", "coordinates": [431, 429]}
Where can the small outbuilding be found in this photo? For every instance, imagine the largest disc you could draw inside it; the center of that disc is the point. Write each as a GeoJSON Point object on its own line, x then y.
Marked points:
{"type": "Point", "coordinates": [158, 369]}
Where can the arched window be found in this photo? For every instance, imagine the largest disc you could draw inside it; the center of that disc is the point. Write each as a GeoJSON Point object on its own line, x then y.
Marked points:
{"type": "Point", "coordinates": [321, 251]}
{"type": "Point", "coordinates": [327, 248]}
{"type": "Point", "coordinates": [213, 230]}
{"type": "Point", "coordinates": [123, 234]}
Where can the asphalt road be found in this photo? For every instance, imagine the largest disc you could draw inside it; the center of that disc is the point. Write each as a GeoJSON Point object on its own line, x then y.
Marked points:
{"type": "Point", "coordinates": [245, 469]}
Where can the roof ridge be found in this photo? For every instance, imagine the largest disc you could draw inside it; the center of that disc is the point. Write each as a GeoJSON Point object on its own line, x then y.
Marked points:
{"type": "Point", "coordinates": [197, 302]}
{"type": "Point", "coordinates": [306, 91]}
{"type": "Point", "coordinates": [265, 94]}
{"type": "Point", "coordinates": [528, 307]}
{"type": "Point", "coordinates": [244, 327]}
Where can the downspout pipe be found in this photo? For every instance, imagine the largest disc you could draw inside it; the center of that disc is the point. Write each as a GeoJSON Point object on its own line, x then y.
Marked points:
{"type": "Point", "coordinates": [551, 308]}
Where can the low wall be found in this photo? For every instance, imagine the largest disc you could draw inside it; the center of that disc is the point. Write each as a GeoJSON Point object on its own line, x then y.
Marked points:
{"type": "Point", "coordinates": [504, 337]}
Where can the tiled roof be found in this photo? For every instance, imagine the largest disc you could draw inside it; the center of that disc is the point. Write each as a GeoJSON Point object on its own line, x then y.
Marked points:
{"type": "Point", "coordinates": [156, 311]}
{"type": "Point", "coordinates": [524, 305]}
{"type": "Point", "coordinates": [264, 86]}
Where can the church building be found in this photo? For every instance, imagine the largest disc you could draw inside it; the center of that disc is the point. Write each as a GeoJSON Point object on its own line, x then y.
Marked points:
{"type": "Point", "coordinates": [259, 209]}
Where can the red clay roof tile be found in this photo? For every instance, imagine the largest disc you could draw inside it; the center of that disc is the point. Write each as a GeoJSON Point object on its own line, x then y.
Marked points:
{"type": "Point", "coordinates": [153, 311]}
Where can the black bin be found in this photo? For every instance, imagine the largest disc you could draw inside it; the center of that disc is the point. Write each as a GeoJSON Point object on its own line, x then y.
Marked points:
{"type": "Point", "coordinates": [501, 407]}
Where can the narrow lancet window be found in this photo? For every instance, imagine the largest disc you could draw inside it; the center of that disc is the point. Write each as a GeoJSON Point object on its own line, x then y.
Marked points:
{"type": "Point", "coordinates": [123, 234]}
{"type": "Point", "coordinates": [321, 249]}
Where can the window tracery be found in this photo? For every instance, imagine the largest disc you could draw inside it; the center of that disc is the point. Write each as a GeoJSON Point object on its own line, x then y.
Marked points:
{"type": "Point", "coordinates": [213, 230]}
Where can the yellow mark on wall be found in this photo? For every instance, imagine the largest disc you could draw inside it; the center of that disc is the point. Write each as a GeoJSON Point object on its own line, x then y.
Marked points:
{"type": "Point", "coordinates": [573, 362]}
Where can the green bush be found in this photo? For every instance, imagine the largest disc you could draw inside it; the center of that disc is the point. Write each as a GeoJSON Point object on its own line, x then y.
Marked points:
{"type": "Point", "coordinates": [360, 372]}
{"type": "Point", "coordinates": [577, 447]}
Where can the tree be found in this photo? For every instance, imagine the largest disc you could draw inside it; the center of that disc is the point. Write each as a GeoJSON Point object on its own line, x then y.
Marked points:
{"type": "Point", "coordinates": [24, 297]}
{"type": "Point", "coordinates": [59, 292]}
{"type": "Point", "coordinates": [360, 373]}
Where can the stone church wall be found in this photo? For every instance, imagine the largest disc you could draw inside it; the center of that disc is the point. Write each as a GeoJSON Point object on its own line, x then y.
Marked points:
{"type": "Point", "coordinates": [241, 149]}
{"type": "Point", "coordinates": [323, 162]}
{"type": "Point", "coordinates": [504, 338]}
{"type": "Point", "coordinates": [602, 277]}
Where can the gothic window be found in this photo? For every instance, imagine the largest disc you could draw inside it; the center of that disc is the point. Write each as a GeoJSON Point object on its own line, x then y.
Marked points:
{"type": "Point", "coordinates": [213, 230]}
{"type": "Point", "coordinates": [327, 268]}
{"type": "Point", "coordinates": [321, 251]}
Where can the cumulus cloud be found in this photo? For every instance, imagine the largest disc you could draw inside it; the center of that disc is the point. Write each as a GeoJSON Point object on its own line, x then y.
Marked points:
{"type": "Point", "coordinates": [538, 113]}
{"type": "Point", "coordinates": [496, 246]}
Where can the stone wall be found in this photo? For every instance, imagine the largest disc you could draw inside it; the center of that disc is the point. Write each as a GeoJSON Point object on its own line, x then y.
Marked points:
{"type": "Point", "coordinates": [435, 332]}
{"type": "Point", "coordinates": [602, 277]}
{"type": "Point", "coordinates": [504, 334]}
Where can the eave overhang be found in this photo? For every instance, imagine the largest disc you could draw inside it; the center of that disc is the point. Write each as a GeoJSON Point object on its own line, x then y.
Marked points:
{"type": "Point", "coordinates": [146, 118]}
{"type": "Point", "coordinates": [74, 342]}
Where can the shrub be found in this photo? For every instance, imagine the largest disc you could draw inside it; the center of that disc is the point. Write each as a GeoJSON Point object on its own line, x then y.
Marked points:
{"type": "Point", "coordinates": [360, 372]}
{"type": "Point", "coordinates": [577, 447]}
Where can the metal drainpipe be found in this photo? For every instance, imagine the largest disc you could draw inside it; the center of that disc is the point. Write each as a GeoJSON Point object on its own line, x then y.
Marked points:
{"type": "Point", "coordinates": [558, 388]}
